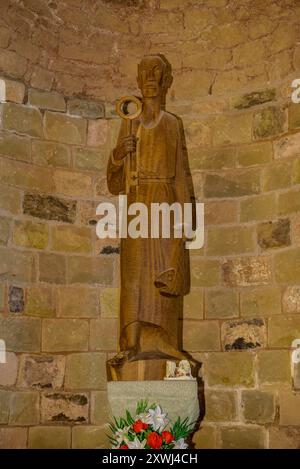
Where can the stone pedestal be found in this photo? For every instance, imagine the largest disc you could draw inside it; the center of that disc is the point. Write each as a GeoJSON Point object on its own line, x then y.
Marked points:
{"type": "Point", "coordinates": [177, 398]}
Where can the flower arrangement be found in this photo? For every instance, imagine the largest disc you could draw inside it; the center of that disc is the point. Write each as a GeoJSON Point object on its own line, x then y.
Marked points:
{"type": "Point", "coordinates": [148, 430]}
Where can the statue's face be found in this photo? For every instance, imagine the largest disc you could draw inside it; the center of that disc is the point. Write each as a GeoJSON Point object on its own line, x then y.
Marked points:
{"type": "Point", "coordinates": [150, 77]}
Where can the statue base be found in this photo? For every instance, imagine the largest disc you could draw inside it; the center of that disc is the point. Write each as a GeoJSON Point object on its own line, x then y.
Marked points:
{"type": "Point", "coordinates": [177, 398]}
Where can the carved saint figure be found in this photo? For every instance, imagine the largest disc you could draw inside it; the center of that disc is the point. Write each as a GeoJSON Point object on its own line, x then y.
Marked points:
{"type": "Point", "coordinates": [154, 271]}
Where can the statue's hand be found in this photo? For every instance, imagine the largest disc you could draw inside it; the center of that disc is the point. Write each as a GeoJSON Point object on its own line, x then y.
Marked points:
{"type": "Point", "coordinates": [127, 145]}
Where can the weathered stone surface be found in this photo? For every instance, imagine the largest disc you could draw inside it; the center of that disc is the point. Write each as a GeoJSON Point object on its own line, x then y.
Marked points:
{"type": "Point", "coordinates": [291, 300]}
{"type": "Point", "coordinates": [230, 369]}
{"type": "Point", "coordinates": [14, 91]}
{"type": "Point", "coordinates": [264, 301]}
{"type": "Point", "coordinates": [65, 336]}
{"type": "Point", "coordinates": [253, 99]}
{"type": "Point", "coordinates": [73, 183]}
{"type": "Point", "coordinates": [190, 83]}
{"type": "Point", "coordinates": [13, 438]}
{"type": "Point", "coordinates": [222, 241]}
{"type": "Point", "coordinates": [4, 406]}
{"type": "Point", "coordinates": [90, 270]}
{"type": "Point", "coordinates": [109, 302]}
{"type": "Point", "coordinates": [86, 371]}
{"type": "Point", "coordinates": [40, 301]}
{"type": "Point", "coordinates": [46, 100]}
{"type": "Point", "coordinates": [42, 371]}
{"type": "Point", "coordinates": [205, 437]}
{"type": "Point", "coordinates": [287, 266]}
{"type": "Point", "coordinates": [220, 405]}
{"type": "Point", "coordinates": [90, 159]}
{"type": "Point", "coordinates": [2, 297]}
{"type": "Point", "coordinates": [42, 78]}
{"type": "Point", "coordinates": [71, 238]}
{"type": "Point", "coordinates": [287, 146]}
{"type": "Point", "coordinates": [232, 129]}
{"type": "Point", "coordinates": [274, 366]}
{"type": "Point", "coordinates": [65, 129]}
{"type": "Point", "coordinates": [100, 410]}
{"type": "Point", "coordinates": [296, 230]}
{"type": "Point", "coordinates": [64, 407]}
{"type": "Point", "coordinates": [261, 207]}
{"type": "Point", "coordinates": [294, 116]}
{"type": "Point", "coordinates": [52, 268]}
{"type": "Point", "coordinates": [80, 301]}
{"type": "Point", "coordinates": [21, 335]}
{"type": "Point", "coordinates": [54, 437]}
{"type": "Point", "coordinates": [12, 63]}
{"type": "Point", "coordinates": [9, 370]}
{"type": "Point", "coordinates": [10, 199]}
{"type": "Point", "coordinates": [242, 437]}
{"type": "Point", "coordinates": [16, 266]}
{"type": "Point", "coordinates": [232, 185]}
{"type": "Point", "coordinates": [276, 176]}
{"type": "Point", "coordinates": [204, 272]}
{"type": "Point", "coordinates": [201, 336]}
{"type": "Point", "coordinates": [104, 334]}
{"type": "Point", "coordinates": [97, 132]}
{"type": "Point", "coordinates": [289, 403]}
{"type": "Point", "coordinates": [16, 299]}
{"type": "Point", "coordinates": [15, 146]}
{"type": "Point", "coordinates": [30, 234]}
{"type": "Point", "coordinates": [258, 406]}
{"type": "Point", "coordinates": [284, 438]}
{"type": "Point", "coordinates": [193, 304]}
{"type": "Point", "coordinates": [283, 330]}
{"type": "Point", "coordinates": [274, 234]}
{"type": "Point", "coordinates": [296, 171]}
{"type": "Point", "coordinates": [268, 122]}
{"type": "Point", "coordinates": [289, 202]}
{"type": "Point", "coordinates": [246, 271]}
{"type": "Point", "coordinates": [4, 230]}
{"type": "Point", "coordinates": [49, 208]}
{"type": "Point", "coordinates": [24, 408]}
{"type": "Point", "coordinates": [90, 437]}
{"type": "Point", "coordinates": [50, 154]}
{"type": "Point", "coordinates": [88, 109]}
{"type": "Point", "coordinates": [22, 119]}
{"type": "Point", "coordinates": [30, 177]}
{"type": "Point", "coordinates": [244, 334]}
{"type": "Point", "coordinates": [254, 154]}
{"type": "Point", "coordinates": [220, 212]}
{"type": "Point", "coordinates": [221, 303]}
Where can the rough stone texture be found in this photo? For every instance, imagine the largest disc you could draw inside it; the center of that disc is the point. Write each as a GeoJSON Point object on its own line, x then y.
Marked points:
{"type": "Point", "coordinates": [193, 304]}
{"type": "Point", "coordinates": [40, 301]}
{"type": "Point", "coordinates": [201, 336]}
{"type": "Point", "coordinates": [109, 302]}
{"type": "Point", "coordinates": [90, 437]}
{"type": "Point", "coordinates": [274, 366]}
{"type": "Point", "coordinates": [50, 154]}
{"type": "Point", "coordinates": [78, 301]}
{"type": "Point", "coordinates": [15, 146]}
{"type": "Point", "coordinates": [205, 437]}
{"type": "Point", "coordinates": [291, 300]}
{"type": "Point", "coordinates": [14, 91]}
{"type": "Point", "coordinates": [242, 438]}
{"type": "Point", "coordinates": [283, 330]}
{"type": "Point", "coordinates": [65, 336]}
{"type": "Point", "coordinates": [220, 405]}
{"type": "Point", "coordinates": [88, 109]}
{"type": "Point", "coordinates": [16, 299]}
{"type": "Point", "coordinates": [53, 437]}
{"type": "Point", "coordinates": [42, 371]}
{"type": "Point", "coordinates": [243, 334]}
{"type": "Point", "coordinates": [264, 301]}
{"type": "Point", "coordinates": [71, 239]}
{"type": "Point", "coordinates": [253, 99]}
{"type": "Point", "coordinates": [287, 146]}
{"type": "Point", "coordinates": [229, 240]}
{"type": "Point", "coordinates": [16, 265]}
{"type": "Point", "coordinates": [277, 176]}
{"type": "Point", "coordinates": [90, 270]}
{"type": "Point", "coordinates": [289, 408]}
{"type": "Point", "coordinates": [22, 119]}
{"type": "Point", "coordinates": [30, 234]}
{"type": "Point", "coordinates": [232, 185]}
{"type": "Point", "coordinates": [100, 410]}
{"type": "Point", "coordinates": [258, 406]}
{"type": "Point", "coordinates": [52, 268]}
{"type": "Point", "coordinates": [64, 407]}
{"type": "Point", "coordinates": [261, 207]}
{"type": "Point", "coordinates": [9, 370]}
{"type": "Point", "coordinates": [287, 266]}
{"type": "Point", "coordinates": [268, 122]}
{"type": "Point", "coordinates": [246, 271]}
{"type": "Point", "coordinates": [65, 129]}
{"type": "Point", "coordinates": [274, 234]}
{"type": "Point", "coordinates": [97, 132]}
{"type": "Point", "coordinates": [24, 408]}
{"type": "Point", "coordinates": [104, 334]}
{"type": "Point", "coordinates": [230, 369]}
{"type": "Point", "coordinates": [13, 438]}
{"type": "Point", "coordinates": [21, 335]}
{"type": "Point", "coordinates": [254, 154]}
{"type": "Point", "coordinates": [46, 100]}
{"type": "Point", "coordinates": [204, 272]}
{"type": "Point", "coordinates": [49, 208]}
{"type": "Point", "coordinates": [86, 370]}
{"type": "Point", "coordinates": [284, 438]}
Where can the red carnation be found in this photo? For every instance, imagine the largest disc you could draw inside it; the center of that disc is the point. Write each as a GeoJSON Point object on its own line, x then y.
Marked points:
{"type": "Point", "coordinates": [138, 426]}
{"type": "Point", "coordinates": [154, 440]}
{"type": "Point", "coordinates": [123, 447]}
{"type": "Point", "coordinates": [145, 426]}
{"type": "Point", "coordinates": [167, 436]}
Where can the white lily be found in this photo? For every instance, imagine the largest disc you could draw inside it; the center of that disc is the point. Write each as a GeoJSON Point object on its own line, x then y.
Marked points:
{"type": "Point", "coordinates": [157, 419]}
{"type": "Point", "coordinates": [121, 434]}
{"type": "Point", "coordinates": [136, 444]}
{"type": "Point", "coordinates": [180, 444]}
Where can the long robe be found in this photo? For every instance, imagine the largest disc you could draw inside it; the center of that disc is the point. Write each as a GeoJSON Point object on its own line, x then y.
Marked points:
{"type": "Point", "coordinates": [154, 271]}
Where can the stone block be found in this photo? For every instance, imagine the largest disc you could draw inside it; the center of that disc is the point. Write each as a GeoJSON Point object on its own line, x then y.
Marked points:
{"type": "Point", "coordinates": [68, 238]}
{"type": "Point", "coordinates": [244, 334]}
{"type": "Point", "coordinates": [9, 370]}
{"type": "Point", "coordinates": [287, 146]}
{"type": "Point", "coordinates": [21, 334]}
{"type": "Point", "coordinates": [14, 91]}
{"type": "Point", "coordinates": [205, 437]}
{"type": "Point", "coordinates": [10, 199]}
{"type": "Point", "coordinates": [65, 129]}
{"type": "Point", "coordinates": [247, 271]}
{"type": "Point", "coordinates": [204, 272]}
{"type": "Point", "coordinates": [90, 437]}
{"type": "Point", "coordinates": [4, 406]}
{"type": "Point", "coordinates": [230, 369]}
{"type": "Point", "coordinates": [42, 371]}
{"type": "Point", "coordinates": [265, 301]}
{"type": "Point", "coordinates": [109, 302]}
{"type": "Point", "coordinates": [296, 171]}
{"type": "Point", "coordinates": [289, 202]}
{"type": "Point", "coordinates": [97, 132]}
{"type": "Point", "coordinates": [235, 184]}
{"type": "Point", "coordinates": [200, 336]}
{"type": "Point", "coordinates": [65, 335]}
{"type": "Point", "coordinates": [42, 78]}
{"type": "Point", "coordinates": [220, 405]}
{"type": "Point", "coordinates": [73, 183]}
{"type": "Point", "coordinates": [49, 207]}
{"type": "Point", "coordinates": [274, 367]}
{"type": "Point", "coordinates": [269, 122]}
{"type": "Point", "coordinates": [30, 234]}
{"type": "Point", "coordinates": [90, 270]}
{"type": "Point", "coordinates": [294, 116]}
{"type": "Point", "coordinates": [232, 129]}
{"type": "Point", "coordinates": [15, 147]}
{"type": "Point", "coordinates": [289, 403]}
{"type": "Point", "coordinates": [16, 266]}
{"type": "Point", "coordinates": [4, 230]}
{"type": "Point", "coordinates": [22, 119]}
{"type": "Point", "coordinates": [46, 100]}
{"type": "Point", "coordinates": [64, 407]}
{"type": "Point", "coordinates": [287, 266]}
{"type": "Point", "coordinates": [52, 268]}
{"type": "Point", "coordinates": [276, 176]}
{"type": "Point", "coordinates": [243, 437]}
{"type": "Point", "coordinates": [260, 207]}
{"type": "Point", "coordinates": [193, 304]}
{"type": "Point", "coordinates": [30, 177]}
{"type": "Point", "coordinates": [258, 406]}
{"type": "Point", "coordinates": [86, 371]}
{"type": "Point", "coordinates": [50, 154]}
{"type": "Point", "coordinates": [40, 301]}
{"type": "Point", "coordinates": [222, 241]}
{"type": "Point", "coordinates": [253, 99]}
{"type": "Point", "coordinates": [283, 330]}
{"type": "Point", "coordinates": [52, 437]}
{"type": "Point", "coordinates": [80, 301]}
{"type": "Point", "coordinates": [221, 303]}
{"type": "Point", "coordinates": [220, 212]}
{"type": "Point", "coordinates": [100, 410]}
{"type": "Point", "coordinates": [90, 159]}
{"type": "Point", "coordinates": [274, 234]}
{"type": "Point", "coordinates": [87, 109]}
{"type": "Point", "coordinates": [15, 299]}
{"type": "Point", "coordinates": [284, 438]}
{"type": "Point", "coordinates": [12, 63]}
{"type": "Point", "coordinates": [291, 300]}
{"type": "Point", "coordinates": [24, 408]}
{"type": "Point", "coordinates": [13, 438]}
{"type": "Point", "coordinates": [104, 334]}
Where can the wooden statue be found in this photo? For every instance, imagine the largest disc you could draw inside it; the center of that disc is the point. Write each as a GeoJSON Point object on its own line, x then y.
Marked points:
{"type": "Point", "coordinates": [149, 164]}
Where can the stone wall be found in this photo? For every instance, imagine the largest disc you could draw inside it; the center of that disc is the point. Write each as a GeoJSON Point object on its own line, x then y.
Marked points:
{"type": "Point", "coordinates": [234, 62]}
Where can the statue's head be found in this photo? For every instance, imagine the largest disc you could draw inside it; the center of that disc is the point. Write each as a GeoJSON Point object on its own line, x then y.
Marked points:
{"type": "Point", "coordinates": [154, 76]}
